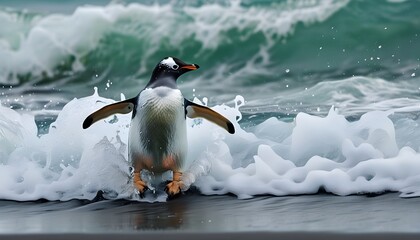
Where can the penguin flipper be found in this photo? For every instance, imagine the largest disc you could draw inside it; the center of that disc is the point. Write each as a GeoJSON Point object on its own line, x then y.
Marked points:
{"type": "Point", "coordinates": [123, 107]}
{"type": "Point", "coordinates": [193, 110]}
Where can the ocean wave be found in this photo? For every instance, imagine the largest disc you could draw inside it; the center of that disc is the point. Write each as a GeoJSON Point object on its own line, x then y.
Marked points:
{"type": "Point", "coordinates": [43, 46]}
{"type": "Point", "coordinates": [263, 51]}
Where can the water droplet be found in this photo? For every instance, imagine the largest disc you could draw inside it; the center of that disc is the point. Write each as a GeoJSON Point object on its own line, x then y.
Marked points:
{"type": "Point", "coordinates": [96, 91]}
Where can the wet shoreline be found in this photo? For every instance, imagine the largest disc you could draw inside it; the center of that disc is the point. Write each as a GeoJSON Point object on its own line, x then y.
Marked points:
{"type": "Point", "coordinates": [226, 216]}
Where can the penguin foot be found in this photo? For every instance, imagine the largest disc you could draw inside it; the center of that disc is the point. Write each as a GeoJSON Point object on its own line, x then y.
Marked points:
{"type": "Point", "coordinates": [139, 185]}
{"type": "Point", "coordinates": [173, 188]}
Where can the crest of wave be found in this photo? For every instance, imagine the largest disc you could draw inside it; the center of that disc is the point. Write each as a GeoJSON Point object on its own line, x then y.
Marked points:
{"type": "Point", "coordinates": [39, 44]}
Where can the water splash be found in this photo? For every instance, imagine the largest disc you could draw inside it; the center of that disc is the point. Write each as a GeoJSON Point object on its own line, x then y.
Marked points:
{"type": "Point", "coordinates": [274, 157]}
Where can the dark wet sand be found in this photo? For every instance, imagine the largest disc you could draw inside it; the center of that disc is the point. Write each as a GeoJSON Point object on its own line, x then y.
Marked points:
{"type": "Point", "coordinates": [194, 216]}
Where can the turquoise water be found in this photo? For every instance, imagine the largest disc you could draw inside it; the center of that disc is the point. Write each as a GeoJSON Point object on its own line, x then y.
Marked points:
{"type": "Point", "coordinates": [330, 89]}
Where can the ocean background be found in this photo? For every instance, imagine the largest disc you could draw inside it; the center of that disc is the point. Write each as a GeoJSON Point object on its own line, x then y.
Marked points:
{"type": "Point", "coordinates": [325, 95]}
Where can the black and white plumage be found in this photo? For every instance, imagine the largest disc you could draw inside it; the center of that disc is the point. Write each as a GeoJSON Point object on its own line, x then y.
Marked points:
{"type": "Point", "coordinates": [157, 138]}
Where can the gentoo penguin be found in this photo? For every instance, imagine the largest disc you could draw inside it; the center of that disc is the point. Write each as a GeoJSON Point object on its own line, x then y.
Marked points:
{"type": "Point", "coordinates": [157, 138]}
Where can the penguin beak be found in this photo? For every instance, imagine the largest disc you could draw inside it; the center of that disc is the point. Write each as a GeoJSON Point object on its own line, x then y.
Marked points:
{"type": "Point", "coordinates": [190, 67]}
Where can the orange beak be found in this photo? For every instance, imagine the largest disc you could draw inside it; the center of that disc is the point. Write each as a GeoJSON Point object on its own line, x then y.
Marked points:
{"type": "Point", "coordinates": [191, 67]}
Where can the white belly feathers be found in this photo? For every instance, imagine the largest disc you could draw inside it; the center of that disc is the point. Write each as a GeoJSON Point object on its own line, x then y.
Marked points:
{"type": "Point", "coordinates": [158, 129]}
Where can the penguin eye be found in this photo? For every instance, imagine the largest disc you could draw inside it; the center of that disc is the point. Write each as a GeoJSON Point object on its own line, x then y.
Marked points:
{"type": "Point", "coordinates": [175, 67]}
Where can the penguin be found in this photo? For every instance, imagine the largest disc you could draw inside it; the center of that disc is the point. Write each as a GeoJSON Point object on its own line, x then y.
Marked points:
{"type": "Point", "coordinates": [157, 138]}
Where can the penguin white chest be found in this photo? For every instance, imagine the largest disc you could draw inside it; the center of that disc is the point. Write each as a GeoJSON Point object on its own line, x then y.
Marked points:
{"type": "Point", "coordinates": [157, 138]}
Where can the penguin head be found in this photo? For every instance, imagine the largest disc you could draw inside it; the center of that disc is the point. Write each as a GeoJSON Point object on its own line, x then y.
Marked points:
{"type": "Point", "coordinates": [172, 67]}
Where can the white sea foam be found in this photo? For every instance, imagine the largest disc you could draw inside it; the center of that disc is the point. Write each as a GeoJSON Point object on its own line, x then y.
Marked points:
{"type": "Point", "coordinates": [273, 157]}
{"type": "Point", "coordinates": [37, 45]}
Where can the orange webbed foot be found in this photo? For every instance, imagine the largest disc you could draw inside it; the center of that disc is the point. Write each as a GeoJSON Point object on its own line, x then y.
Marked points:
{"type": "Point", "coordinates": [174, 187]}
{"type": "Point", "coordinates": [140, 185]}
